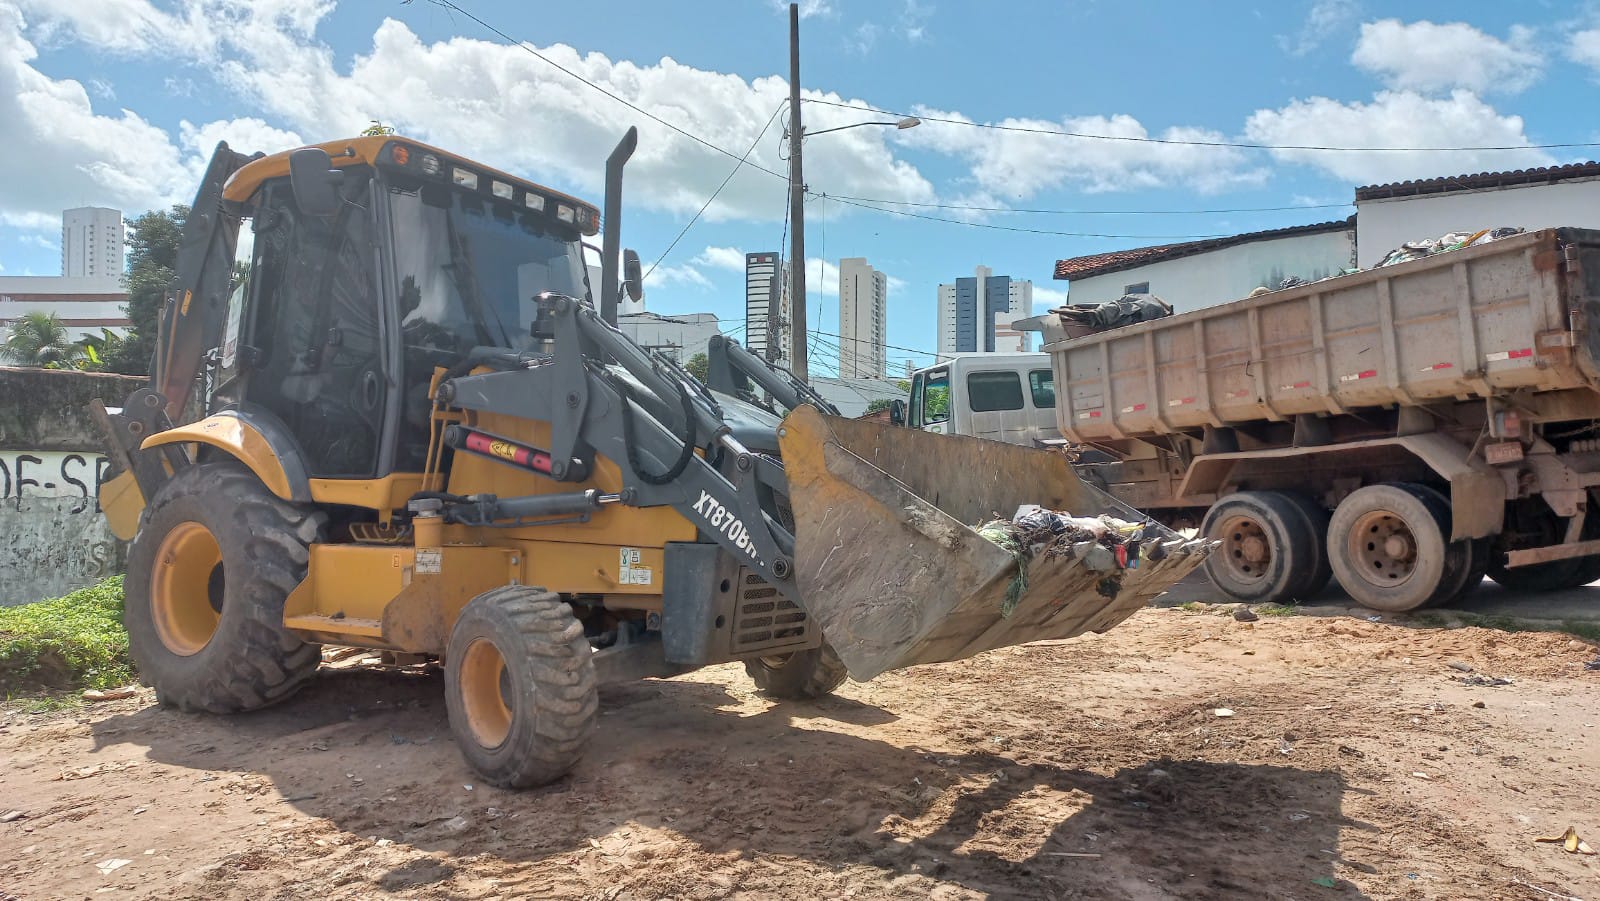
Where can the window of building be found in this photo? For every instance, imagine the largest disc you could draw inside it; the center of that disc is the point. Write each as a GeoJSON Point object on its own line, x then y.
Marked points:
{"type": "Point", "coordinates": [1137, 288]}
{"type": "Point", "coordinates": [988, 392]}
{"type": "Point", "coordinates": [1042, 384]}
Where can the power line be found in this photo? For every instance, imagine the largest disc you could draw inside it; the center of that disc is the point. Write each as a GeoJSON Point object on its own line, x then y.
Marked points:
{"type": "Point", "coordinates": [1242, 145]}
{"type": "Point", "coordinates": [1015, 228]}
{"type": "Point", "coordinates": [911, 350]}
{"type": "Point", "coordinates": [704, 206]}
{"type": "Point", "coordinates": [452, 5]}
{"type": "Point", "coordinates": [1006, 209]}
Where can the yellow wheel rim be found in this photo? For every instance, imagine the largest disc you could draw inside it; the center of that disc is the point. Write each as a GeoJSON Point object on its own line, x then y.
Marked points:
{"type": "Point", "coordinates": [483, 684]}
{"type": "Point", "coordinates": [186, 589]}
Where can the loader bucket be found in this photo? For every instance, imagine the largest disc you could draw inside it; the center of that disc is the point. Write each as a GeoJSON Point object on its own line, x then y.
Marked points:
{"type": "Point", "coordinates": [889, 564]}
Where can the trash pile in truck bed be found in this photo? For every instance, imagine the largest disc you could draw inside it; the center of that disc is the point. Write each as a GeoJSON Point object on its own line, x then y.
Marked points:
{"type": "Point", "coordinates": [1104, 543]}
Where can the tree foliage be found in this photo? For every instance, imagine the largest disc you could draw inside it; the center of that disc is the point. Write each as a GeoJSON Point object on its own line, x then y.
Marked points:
{"type": "Point", "coordinates": [699, 366]}
{"type": "Point", "coordinates": [882, 403]}
{"type": "Point", "coordinates": [152, 260]}
{"type": "Point", "coordinates": [39, 339]}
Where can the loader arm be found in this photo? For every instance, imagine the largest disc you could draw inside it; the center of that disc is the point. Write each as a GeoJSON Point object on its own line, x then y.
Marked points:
{"type": "Point", "coordinates": [664, 430]}
{"type": "Point", "coordinates": [733, 370]}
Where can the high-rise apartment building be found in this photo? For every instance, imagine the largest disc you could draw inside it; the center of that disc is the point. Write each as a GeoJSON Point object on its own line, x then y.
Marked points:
{"type": "Point", "coordinates": [863, 292]}
{"type": "Point", "coordinates": [91, 243]}
{"type": "Point", "coordinates": [766, 283]}
{"type": "Point", "coordinates": [975, 314]}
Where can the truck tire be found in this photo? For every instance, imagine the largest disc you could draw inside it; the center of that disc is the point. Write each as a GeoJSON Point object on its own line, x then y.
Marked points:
{"type": "Point", "coordinates": [519, 686]}
{"type": "Point", "coordinates": [1267, 553]}
{"type": "Point", "coordinates": [799, 676]}
{"type": "Point", "coordinates": [1465, 561]}
{"type": "Point", "coordinates": [1317, 517]}
{"type": "Point", "coordinates": [1389, 549]}
{"type": "Point", "coordinates": [202, 640]}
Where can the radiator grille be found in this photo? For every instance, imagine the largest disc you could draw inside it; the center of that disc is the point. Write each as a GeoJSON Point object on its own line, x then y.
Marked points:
{"type": "Point", "coordinates": [763, 618]}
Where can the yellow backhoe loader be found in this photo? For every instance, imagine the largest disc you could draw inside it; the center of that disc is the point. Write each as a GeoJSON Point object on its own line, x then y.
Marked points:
{"type": "Point", "coordinates": [397, 417]}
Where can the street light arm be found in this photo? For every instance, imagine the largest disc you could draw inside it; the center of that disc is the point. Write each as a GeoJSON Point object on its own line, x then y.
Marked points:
{"type": "Point", "coordinates": [902, 124]}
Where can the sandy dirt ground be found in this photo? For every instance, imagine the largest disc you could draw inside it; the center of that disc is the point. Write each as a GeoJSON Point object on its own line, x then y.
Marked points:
{"type": "Point", "coordinates": [1357, 762]}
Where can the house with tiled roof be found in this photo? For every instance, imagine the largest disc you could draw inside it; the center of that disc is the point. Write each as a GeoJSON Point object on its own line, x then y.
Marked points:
{"type": "Point", "coordinates": [1197, 274]}
{"type": "Point", "coordinates": [1393, 214]}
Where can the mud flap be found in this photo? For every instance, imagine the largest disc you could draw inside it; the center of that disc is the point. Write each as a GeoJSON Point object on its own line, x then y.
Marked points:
{"type": "Point", "coordinates": [888, 564]}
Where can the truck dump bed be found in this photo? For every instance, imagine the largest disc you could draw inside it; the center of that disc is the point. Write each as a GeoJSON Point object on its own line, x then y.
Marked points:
{"type": "Point", "coordinates": [1501, 317]}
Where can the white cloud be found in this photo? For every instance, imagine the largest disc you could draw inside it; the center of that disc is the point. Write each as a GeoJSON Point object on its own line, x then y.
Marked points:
{"type": "Point", "coordinates": [1583, 48]}
{"type": "Point", "coordinates": [1045, 299]}
{"type": "Point", "coordinates": [731, 258]}
{"type": "Point", "coordinates": [1424, 56]}
{"type": "Point", "coordinates": [1396, 119]}
{"type": "Point", "coordinates": [808, 8]}
{"type": "Point", "coordinates": [1015, 164]}
{"type": "Point", "coordinates": [683, 276]}
{"type": "Point", "coordinates": [1327, 18]}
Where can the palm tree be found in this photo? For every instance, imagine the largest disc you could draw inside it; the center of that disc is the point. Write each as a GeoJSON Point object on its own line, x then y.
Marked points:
{"type": "Point", "coordinates": [39, 339]}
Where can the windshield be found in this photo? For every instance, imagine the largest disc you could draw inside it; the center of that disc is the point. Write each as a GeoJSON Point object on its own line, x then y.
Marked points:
{"type": "Point", "coordinates": [468, 270]}
{"type": "Point", "coordinates": [936, 397]}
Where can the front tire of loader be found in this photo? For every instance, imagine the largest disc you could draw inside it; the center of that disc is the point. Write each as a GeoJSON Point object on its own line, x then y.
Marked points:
{"type": "Point", "coordinates": [204, 640]}
{"type": "Point", "coordinates": [519, 686]}
{"type": "Point", "coordinates": [799, 676]}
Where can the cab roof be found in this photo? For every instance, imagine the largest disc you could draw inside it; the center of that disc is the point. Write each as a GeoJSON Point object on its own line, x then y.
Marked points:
{"type": "Point", "coordinates": [243, 184]}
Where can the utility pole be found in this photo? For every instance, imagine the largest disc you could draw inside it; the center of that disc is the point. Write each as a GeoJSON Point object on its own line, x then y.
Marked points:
{"type": "Point", "coordinates": [797, 210]}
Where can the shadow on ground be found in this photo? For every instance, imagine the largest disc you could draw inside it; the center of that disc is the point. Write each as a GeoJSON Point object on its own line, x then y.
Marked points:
{"type": "Point", "coordinates": [794, 780]}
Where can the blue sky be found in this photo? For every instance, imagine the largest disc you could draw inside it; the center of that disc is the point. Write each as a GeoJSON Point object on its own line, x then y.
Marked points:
{"type": "Point", "coordinates": [112, 102]}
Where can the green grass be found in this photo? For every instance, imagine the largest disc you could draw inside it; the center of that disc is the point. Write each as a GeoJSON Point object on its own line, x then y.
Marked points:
{"type": "Point", "coordinates": [64, 645]}
{"type": "Point", "coordinates": [1576, 628]}
{"type": "Point", "coordinates": [1192, 606]}
{"type": "Point", "coordinates": [1277, 609]}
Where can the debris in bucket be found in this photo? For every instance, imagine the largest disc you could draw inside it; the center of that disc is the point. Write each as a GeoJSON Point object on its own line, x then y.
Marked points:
{"type": "Point", "coordinates": [1104, 544]}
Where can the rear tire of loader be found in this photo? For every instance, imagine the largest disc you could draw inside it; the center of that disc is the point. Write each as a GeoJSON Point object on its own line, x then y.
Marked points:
{"type": "Point", "coordinates": [204, 641]}
{"type": "Point", "coordinates": [1267, 553]}
{"type": "Point", "coordinates": [519, 686]}
{"type": "Point", "coordinates": [800, 676]}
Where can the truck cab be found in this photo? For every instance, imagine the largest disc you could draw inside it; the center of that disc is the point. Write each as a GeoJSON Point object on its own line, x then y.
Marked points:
{"type": "Point", "coordinates": [1001, 397]}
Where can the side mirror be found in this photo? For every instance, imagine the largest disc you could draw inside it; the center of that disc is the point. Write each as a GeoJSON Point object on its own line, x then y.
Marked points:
{"type": "Point", "coordinates": [315, 182]}
{"type": "Point", "coordinates": [632, 276]}
{"type": "Point", "coordinates": [897, 411]}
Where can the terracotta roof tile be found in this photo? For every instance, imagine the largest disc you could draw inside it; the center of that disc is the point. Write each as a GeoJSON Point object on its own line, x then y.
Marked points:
{"type": "Point", "coordinates": [1446, 184]}
{"type": "Point", "coordinates": [1118, 260]}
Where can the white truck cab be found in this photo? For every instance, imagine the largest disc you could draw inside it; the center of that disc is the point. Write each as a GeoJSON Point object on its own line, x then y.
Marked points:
{"type": "Point", "coordinates": [1002, 397]}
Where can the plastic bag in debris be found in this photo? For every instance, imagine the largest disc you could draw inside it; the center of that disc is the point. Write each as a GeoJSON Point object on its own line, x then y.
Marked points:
{"type": "Point", "coordinates": [1126, 310]}
{"type": "Point", "coordinates": [1416, 250]}
{"type": "Point", "coordinates": [1104, 543]}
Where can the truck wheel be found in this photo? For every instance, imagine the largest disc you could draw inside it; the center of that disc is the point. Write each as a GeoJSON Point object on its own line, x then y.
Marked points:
{"type": "Point", "coordinates": [1316, 517]}
{"type": "Point", "coordinates": [205, 638]}
{"type": "Point", "coordinates": [1388, 547]}
{"type": "Point", "coordinates": [799, 676]}
{"type": "Point", "coordinates": [1465, 561]}
{"type": "Point", "coordinates": [519, 686]}
{"type": "Point", "coordinates": [1267, 552]}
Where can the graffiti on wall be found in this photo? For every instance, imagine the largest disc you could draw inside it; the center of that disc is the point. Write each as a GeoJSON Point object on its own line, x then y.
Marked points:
{"type": "Point", "coordinates": [25, 474]}
{"type": "Point", "coordinates": [53, 537]}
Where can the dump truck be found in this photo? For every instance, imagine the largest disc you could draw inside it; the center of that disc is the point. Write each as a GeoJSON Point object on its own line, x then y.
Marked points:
{"type": "Point", "coordinates": [395, 414]}
{"type": "Point", "coordinates": [1404, 430]}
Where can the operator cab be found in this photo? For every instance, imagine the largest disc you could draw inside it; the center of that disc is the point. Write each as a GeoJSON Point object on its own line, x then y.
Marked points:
{"type": "Point", "coordinates": [377, 261]}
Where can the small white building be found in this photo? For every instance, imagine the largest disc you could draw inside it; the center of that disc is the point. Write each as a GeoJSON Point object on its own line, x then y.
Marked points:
{"type": "Point", "coordinates": [1393, 214]}
{"type": "Point", "coordinates": [84, 305]}
{"type": "Point", "coordinates": [677, 337]}
{"type": "Point", "coordinates": [853, 396]}
{"type": "Point", "coordinates": [1199, 274]}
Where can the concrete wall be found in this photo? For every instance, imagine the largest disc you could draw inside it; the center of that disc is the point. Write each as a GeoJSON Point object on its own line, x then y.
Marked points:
{"type": "Point", "coordinates": [53, 537]}
{"type": "Point", "coordinates": [1389, 222]}
{"type": "Point", "coordinates": [1218, 276]}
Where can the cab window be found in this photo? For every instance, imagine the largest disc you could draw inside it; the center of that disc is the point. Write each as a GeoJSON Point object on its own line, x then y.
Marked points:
{"type": "Point", "coordinates": [1042, 384]}
{"type": "Point", "coordinates": [935, 404]}
{"type": "Point", "coordinates": [989, 392]}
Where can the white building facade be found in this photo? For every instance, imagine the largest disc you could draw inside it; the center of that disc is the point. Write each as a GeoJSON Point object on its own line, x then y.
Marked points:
{"type": "Point", "coordinates": [1200, 274]}
{"type": "Point", "coordinates": [1393, 214]}
{"type": "Point", "coordinates": [678, 337]}
{"type": "Point", "coordinates": [863, 293]}
{"type": "Point", "coordinates": [91, 243]}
